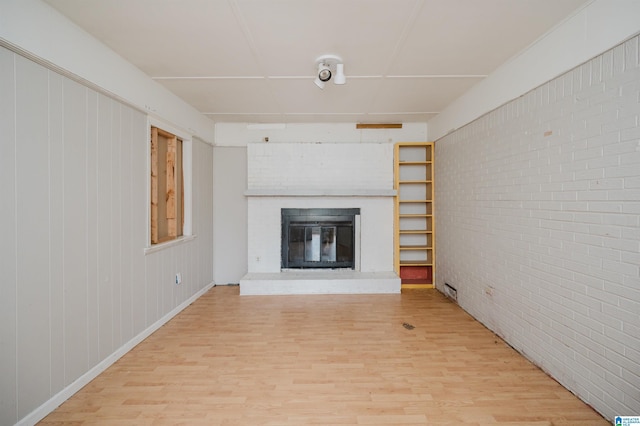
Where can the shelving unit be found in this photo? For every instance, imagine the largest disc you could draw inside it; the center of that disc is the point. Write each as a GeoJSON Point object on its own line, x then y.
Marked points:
{"type": "Point", "coordinates": [414, 222]}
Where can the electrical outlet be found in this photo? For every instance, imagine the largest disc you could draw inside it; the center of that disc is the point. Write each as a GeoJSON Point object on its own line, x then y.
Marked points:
{"type": "Point", "coordinates": [178, 278]}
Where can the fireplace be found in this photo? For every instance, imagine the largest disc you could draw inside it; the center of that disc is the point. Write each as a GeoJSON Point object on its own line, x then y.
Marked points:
{"type": "Point", "coordinates": [318, 238]}
{"type": "Point", "coordinates": [332, 208]}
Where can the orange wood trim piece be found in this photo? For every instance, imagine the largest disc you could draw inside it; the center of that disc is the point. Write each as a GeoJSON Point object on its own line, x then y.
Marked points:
{"type": "Point", "coordinates": [172, 212]}
{"type": "Point", "coordinates": [154, 185]}
{"type": "Point", "coordinates": [379, 126]}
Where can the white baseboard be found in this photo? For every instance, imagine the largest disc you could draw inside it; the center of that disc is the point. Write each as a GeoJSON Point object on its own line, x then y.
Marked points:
{"type": "Point", "coordinates": [55, 401]}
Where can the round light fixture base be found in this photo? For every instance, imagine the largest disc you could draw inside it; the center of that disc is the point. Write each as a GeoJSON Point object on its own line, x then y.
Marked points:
{"type": "Point", "coordinates": [329, 60]}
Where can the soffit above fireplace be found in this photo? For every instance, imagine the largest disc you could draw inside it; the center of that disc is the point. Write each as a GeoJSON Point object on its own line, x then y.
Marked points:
{"type": "Point", "coordinates": [320, 170]}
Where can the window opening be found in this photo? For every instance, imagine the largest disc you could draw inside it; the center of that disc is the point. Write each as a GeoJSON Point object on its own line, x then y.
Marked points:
{"type": "Point", "coordinates": [167, 186]}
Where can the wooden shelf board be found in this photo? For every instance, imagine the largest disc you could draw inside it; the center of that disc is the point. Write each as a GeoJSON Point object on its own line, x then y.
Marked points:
{"type": "Point", "coordinates": [415, 231]}
{"type": "Point", "coordinates": [414, 215]}
{"type": "Point", "coordinates": [415, 248]}
{"type": "Point", "coordinates": [409, 286]}
{"type": "Point", "coordinates": [414, 263]}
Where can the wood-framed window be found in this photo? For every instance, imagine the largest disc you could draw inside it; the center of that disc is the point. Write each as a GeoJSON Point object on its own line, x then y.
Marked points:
{"type": "Point", "coordinates": [167, 186]}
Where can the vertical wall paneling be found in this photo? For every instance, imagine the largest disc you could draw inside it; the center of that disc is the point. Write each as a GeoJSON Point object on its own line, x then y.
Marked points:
{"type": "Point", "coordinates": [138, 219]}
{"type": "Point", "coordinates": [77, 286]}
{"type": "Point", "coordinates": [103, 224]}
{"type": "Point", "coordinates": [126, 210]}
{"type": "Point", "coordinates": [192, 276]}
{"type": "Point", "coordinates": [181, 259]}
{"type": "Point", "coordinates": [8, 306]}
{"type": "Point", "coordinates": [166, 279]}
{"type": "Point", "coordinates": [196, 160]}
{"type": "Point", "coordinates": [152, 274]}
{"type": "Point", "coordinates": [56, 230]}
{"type": "Point", "coordinates": [204, 181]}
{"type": "Point", "coordinates": [93, 320]}
{"type": "Point", "coordinates": [116, 225]}
{"type": "Point", "coordinates": [75, 230]}
{"type": "Point", "coordinates": [32, 189]}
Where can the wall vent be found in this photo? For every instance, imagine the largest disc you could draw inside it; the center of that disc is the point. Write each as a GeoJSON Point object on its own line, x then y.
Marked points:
{"type": "Point", "coordinates": [450, 292]}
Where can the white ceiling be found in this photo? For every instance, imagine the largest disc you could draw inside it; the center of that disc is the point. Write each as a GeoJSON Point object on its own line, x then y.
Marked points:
{"type": "Point", "coordinates": [255, 60]}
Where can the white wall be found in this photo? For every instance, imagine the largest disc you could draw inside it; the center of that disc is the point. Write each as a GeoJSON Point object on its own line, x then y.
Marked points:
{"type": "Point", "coordinates": [229, 214]}
{"type": "Point", "coordinates": [599, 26]}
{"type": "Point", "coordinates": [77, 288]}
{"type": "Point", "coordinates": [36, 29]}
{"type": "Point", "coordinates": [538, 226]}
{"type": "Point", "coordinates": [240, 134]}
{"type": "Point", "coordinates": [230, 168]}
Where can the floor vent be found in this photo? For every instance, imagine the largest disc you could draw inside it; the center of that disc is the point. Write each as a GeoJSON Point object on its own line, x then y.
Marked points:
{"type": "Point", "coordinates": [450, 292]}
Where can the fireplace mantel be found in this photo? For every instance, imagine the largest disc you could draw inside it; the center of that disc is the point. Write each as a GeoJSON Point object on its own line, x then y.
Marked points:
{"type": "Point", "coordinates": [313, 192]}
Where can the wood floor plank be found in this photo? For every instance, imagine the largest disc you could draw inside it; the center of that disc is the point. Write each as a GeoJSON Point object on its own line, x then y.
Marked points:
{"type": "Point", "coordinates": [408, 359]}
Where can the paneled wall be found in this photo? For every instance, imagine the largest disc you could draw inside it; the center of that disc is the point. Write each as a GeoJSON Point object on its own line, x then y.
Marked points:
{"type": "Point", "coordinates": [76, 284]}
{"type": "Point", "coordinates": [538, 217]}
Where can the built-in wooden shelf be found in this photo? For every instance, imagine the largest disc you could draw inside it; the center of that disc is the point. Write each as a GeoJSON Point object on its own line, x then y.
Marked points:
{"type": "Point", "coordinates": [414, 221]}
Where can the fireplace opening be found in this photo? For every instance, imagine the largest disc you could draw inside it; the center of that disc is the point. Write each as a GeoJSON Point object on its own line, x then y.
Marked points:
{"type": "Point", "coordinates": [318, 238]}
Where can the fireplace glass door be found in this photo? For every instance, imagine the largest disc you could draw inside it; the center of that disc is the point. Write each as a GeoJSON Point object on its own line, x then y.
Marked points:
{"type": "Point", "coordinates": [320, 240]}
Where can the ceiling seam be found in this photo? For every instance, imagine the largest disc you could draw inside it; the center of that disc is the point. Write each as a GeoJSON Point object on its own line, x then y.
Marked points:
{"type": "Point", "coordinates": [413, 16]}
{"type": "Point", "coordinates": [408, 26]}
{"type": "Point", "coordinates": [305, 77]}
{"type": "Point", "coordinates": [235, 8]}
{"type": "Point", "coordinates": [209, 77]}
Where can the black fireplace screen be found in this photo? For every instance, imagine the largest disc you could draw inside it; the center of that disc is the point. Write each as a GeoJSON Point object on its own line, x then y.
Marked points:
{"type": "Point", "coordinates": [318, 238]}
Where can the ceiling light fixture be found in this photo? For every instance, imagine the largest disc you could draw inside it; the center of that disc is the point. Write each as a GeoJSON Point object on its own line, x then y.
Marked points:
{"type": "Point", "coordinates": [327, 63]}
{"type": "Point", "coordinates": [324, 75]}
{"type": "Point", "coordinates": [340, 78]}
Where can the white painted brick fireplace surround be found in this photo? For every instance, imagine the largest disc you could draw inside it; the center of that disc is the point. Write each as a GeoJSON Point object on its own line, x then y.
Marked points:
{"type": "Point", "coordinates": [320, 175]}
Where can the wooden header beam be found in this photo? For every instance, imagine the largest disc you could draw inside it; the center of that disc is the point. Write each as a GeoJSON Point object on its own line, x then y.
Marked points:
{"type": "Point", "coordinates": [379, 126]}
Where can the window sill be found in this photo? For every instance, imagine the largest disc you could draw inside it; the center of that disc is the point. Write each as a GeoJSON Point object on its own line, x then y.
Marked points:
{"type": "Point", "coordinates": [163, 246]}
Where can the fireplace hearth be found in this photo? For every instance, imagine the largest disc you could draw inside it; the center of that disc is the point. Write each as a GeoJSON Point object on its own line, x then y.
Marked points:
{"type": "Point", "coordinates": [318, 238]}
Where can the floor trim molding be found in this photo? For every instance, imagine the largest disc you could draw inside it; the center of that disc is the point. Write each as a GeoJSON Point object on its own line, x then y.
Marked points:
{"type": "Point", "coordinates": [55, 401]}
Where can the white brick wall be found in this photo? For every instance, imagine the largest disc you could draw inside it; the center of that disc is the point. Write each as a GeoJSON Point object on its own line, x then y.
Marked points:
{"type": "Point", "coordinates": [538, 221]}
{"type": "Point", "coordinates": [376, 233]}
{"type": "Point", "coordinates": [320, 165]}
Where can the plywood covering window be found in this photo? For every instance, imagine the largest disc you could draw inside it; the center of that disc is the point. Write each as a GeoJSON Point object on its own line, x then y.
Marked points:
{"type": "Point", "coordinates": [167, 186]}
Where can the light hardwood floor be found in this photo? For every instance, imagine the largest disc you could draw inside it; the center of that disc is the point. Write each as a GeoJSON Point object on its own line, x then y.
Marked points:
{"type": "Point", "coordinates": [323, 359]}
